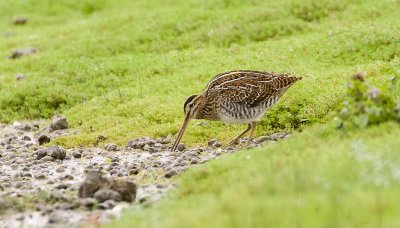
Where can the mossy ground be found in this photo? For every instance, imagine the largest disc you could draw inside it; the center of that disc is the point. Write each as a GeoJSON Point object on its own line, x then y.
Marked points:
{"type": "Point", "coordinates": [123, 68]}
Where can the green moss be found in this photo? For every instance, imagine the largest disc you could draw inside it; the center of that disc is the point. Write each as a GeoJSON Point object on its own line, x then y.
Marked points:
{"type": "Point", "coordinates": [321, 177]}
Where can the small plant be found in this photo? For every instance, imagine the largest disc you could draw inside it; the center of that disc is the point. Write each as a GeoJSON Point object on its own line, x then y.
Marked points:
{"type": "Point", "coordinates": [367, 105]}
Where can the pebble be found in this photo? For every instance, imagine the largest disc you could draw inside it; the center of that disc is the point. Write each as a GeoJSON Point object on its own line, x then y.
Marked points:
{"type": "Point", "coordinates": [47, 159]}
{"type": "Point", "coordinates": [110, 147]}
{"type": "Point", "coordinates": [77, 154]}
{"type": "Point", "coordinates": [58, 122]}
{"type": "Point", "coordinates": [43, 139]}
{"type": "Point", "coordinates": [60, 169]}
{"type": "Point", "coordinates": [170, 173]}
{"type": "Point", "coordinates": [181, 147]}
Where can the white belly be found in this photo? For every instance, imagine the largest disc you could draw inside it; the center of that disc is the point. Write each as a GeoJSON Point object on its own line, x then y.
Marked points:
{"type": "Point", "coordinates": [231, 119]}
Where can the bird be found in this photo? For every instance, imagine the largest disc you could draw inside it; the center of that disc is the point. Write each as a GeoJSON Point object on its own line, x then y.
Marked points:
{"type": "Point", "coordinates": [241, 97]}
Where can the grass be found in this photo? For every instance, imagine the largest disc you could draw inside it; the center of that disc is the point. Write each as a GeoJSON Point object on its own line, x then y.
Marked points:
{"type": "Point", "coordinates": [319, 178]}
{"type": "Point", "coordinates": [124, 72]}
{"type": "Point", "coordinates": [123, 69]}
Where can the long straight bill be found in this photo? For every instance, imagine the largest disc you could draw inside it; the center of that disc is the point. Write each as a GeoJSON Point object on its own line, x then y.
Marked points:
{"type": "Point", "coordinates": [181, 131]}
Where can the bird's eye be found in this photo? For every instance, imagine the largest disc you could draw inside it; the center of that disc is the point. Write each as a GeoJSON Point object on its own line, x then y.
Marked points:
{"type": "Point", "coordinates": [191, 105]}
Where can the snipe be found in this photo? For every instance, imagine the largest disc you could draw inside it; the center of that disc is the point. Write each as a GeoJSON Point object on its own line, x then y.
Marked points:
{"type": "Point", "coordinates": [236, 97]}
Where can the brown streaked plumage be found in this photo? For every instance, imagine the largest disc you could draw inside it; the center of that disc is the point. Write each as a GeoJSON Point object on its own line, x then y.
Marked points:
{"type": "Point", "coordinates": [236, 97]}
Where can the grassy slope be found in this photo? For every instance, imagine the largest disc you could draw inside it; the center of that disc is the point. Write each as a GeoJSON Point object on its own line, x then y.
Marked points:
{"type": "Point", "coordinates": [319, 178]}
{"type": "Point", "coordinates": [123, 69]}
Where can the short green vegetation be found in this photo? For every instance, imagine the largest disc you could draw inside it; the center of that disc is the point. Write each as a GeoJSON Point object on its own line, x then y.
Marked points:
{"type": "Point", "coordinates": [123, 69]}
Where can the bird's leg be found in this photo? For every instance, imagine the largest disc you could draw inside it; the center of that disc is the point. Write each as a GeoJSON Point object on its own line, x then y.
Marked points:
{"type": "Point", "coordinates": [234, 140]}
{"type": "Point", "coordinates": [253, 126]}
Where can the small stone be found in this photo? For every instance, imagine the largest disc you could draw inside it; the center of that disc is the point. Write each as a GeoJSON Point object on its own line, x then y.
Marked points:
{"type": "Point", "coordinates": [217, 144]}
{"type": "Point", "coordinates": [40, 154]}
{"type": "Point", "coordinates": [56, 152]}
{"type": "Point", "coordinates": [101, 138]}
{"type": "Point", "coordinates": [60, 169]}
{"type": "Point", "coordinates": [18, 53]}
{"type": "Point", "coordinates": [20, 21]}
{"type": "Point", "coordinates": [68, 177]}
{"type": "Point", "coordinates": [153, 150]}
{"type": "Point", "coordinates": [58, 122]}
{"type": "Point", "coordinates": [21, 126]}
{"type": "Point", "coordinates": [62, 186]}
{"type": "Point", "coordinates": [19, 184]}
{"type": "Point", "coordinates": [20, 161]}
{"type": "Point", "coordinates": [26, 174]}
{"type": "Point", "coordinates": [133, 172]}
{"type": "Point", "coordinates": [108, 204]}
{"type": "Point", "coordinates": [43, 139]}
{"type": "Point", "coordinates": [170, 173]}
{"type": "Point", "coordinates": [211, 142]}
{"type": "Point", "coordinates": [20, 77]}
{"type": "Point", "coordinates": [263, 139]}
{"type": "Point", "coordinates": [94, 181]}
{"type": "Point", "coordinates": [40, 176]}
{"type": "Point", "coordinates": [77, 154]}
{"type": "Point", "coordinates": [110, 147]}
{"type": "Point", "coordinates": [26, 138]}
{"type": "Point", "coordinates": [107, 194]}
{"type": "Point", "coordinates": [181, 147]}
{"type": "Point", "coordinates": [47, 159]}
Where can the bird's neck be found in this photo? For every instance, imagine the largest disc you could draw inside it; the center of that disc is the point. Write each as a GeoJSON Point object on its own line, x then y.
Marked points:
{"type": "Point", "coordinates": [205, 110]}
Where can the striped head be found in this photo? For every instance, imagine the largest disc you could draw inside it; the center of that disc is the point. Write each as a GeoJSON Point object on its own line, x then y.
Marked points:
{"type": "Point", "coordinates": [191, 108]}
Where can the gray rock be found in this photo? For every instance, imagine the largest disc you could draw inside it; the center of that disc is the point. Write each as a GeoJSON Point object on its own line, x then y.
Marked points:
{"type": "Point", "coordinates": [43, 139]}
{"type": "Point", "coordinates": [56, 152]}
{"type": "Point", "coordinates": [18, 53]}
{"type": "Point", "coordinates": [211, 142]}
{"type": "Point", "coordinates": [26, 138]}
{"type": "Point", "coordinates": [20, 161]}
{"type": "Point", "coordinates": [21, 126]}
{"type": "Point", "coordinates": [181, 147]}
{"type": "Point", "coordinates": [263, 139]}
{"type": "Point", "coordinates": [58, 122]}
{"type": "Point", "coordinates": [170, 173]}
{"type": "Point", "coordinates": [110, 147]}
{"type": "Point", "coordinates": [93, 182]}
{"type": "Point", "coordinates": [20, 77]}
{"type": "Point", "coordinates": [60, 169]}
{"type": "Point", "coordinates": [107, 194]}
{"type": "Point", "coordinates": [134, 171]}
{"type": "Point", "coordinates": [41, 154]}
{"type": "Point", "coordinates": [47, 158]}
{"type": "Point", "coordinates": [77, 154]}
{"type": "Point", "coordinates": [20, 21]}
{"type": "Point", "coordinates": [126, 189]}
{"type": "Point", "coordinates": [216, 144]}
{"type": "Point", "coordinates": [40, 176]}
{"type": "Point", "coordinates": [108, 204]}
{"type": "Point", "coordinates": [62, 186]}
